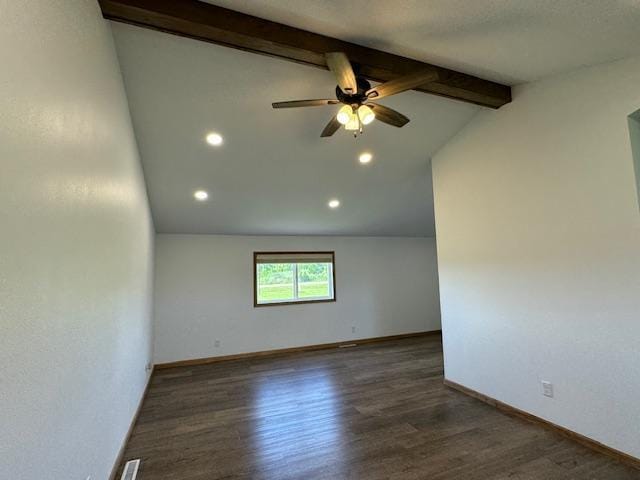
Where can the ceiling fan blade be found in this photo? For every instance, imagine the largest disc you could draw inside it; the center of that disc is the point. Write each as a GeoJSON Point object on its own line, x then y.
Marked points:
{"type": "Point", "coordinates": [331, 128]}
{"type": "Point", "coordinates": [401, 84]}
{"type": "Point", "coordinates": [388, 115]}
{"type": "Point", "coordinates": [339, 64]}
{"type": "Point", "coordinates": [304, 103]}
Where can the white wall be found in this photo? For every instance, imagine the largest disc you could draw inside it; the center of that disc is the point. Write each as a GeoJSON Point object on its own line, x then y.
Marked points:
{"type": "Point", "coordinates": [539, 253]}
{"type": "Point", "coordinates": [75, 246]}
{"type": "Point", "coordinates": [204, 292]}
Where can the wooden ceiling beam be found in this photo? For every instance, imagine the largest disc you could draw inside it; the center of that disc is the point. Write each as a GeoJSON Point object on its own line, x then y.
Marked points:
{"type": "Point", "coordinates": [210, 23]}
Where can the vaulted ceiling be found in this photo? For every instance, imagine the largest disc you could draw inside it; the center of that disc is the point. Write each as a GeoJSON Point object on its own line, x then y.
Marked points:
{"type": "Point", "coordinates": [509, 41]}
{"type": "Point", "coordinates": [274, 174]}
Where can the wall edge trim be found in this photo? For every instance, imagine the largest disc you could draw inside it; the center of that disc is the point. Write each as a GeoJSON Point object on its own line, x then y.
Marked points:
{"type": "Point", "coordinates": [284, 351]}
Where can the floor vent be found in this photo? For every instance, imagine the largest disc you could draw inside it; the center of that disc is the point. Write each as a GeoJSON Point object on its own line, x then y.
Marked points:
{"type": "Point", "coordinates": [130, 470]}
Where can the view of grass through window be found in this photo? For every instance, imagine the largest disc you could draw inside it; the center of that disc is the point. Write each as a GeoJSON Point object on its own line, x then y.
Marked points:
{"type": "Point", "coordinates": [288, 282]}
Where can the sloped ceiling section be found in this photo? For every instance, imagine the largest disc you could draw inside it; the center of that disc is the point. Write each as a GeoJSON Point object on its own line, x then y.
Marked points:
{"type": "Point", "coordinates": [506, 41]}
{"type": "Point", "coordinates": [273, 174]}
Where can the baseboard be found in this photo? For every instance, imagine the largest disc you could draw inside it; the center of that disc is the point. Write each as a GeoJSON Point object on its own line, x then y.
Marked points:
{"type": "Point", "coordinates": [586, 441]}
{"type": "Point", "coordinates": [281, 351]}
{"type": "Point", "coordinates": [123, 447]}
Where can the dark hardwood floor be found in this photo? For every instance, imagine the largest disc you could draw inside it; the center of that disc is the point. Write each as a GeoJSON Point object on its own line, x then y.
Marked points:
{"type": "Point", "coordinates": [372, 412]}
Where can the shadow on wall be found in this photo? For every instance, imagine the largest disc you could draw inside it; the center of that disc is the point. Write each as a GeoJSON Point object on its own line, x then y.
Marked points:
{"type": "Point", "coordinates": [634, 134]}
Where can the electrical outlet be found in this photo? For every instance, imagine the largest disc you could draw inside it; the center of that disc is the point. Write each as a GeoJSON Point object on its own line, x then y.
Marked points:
{"type": "Point", "coordinates": [216, 343]}
{"type": "Point", "coordinates": [353, 329]}
{"type": "Point", "coordinates": [547, 389]}
{"type": "Point", "coordinates": [148, 367]}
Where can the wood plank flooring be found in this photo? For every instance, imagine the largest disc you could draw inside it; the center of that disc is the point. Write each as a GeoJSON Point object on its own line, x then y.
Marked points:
{"type": "Point", "coordinates": [374, 412]}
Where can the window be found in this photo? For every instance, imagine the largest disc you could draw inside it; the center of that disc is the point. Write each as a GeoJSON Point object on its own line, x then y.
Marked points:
{"type": "Point", "coordinates": [293, 277]}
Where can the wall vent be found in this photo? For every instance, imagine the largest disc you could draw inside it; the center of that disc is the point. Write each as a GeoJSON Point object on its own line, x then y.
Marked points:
{"type": "Point", "coordinates": [130, 470]}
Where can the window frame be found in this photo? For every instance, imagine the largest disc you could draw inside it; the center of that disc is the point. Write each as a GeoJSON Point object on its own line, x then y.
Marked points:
{"type": "Point", "coordinates": [294, 302]}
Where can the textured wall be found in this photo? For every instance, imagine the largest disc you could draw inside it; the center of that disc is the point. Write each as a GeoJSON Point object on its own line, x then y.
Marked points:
{"type": "Point", "coordinates": [539, 253]}
{"type": "Point", "coordinates": [75, 246]}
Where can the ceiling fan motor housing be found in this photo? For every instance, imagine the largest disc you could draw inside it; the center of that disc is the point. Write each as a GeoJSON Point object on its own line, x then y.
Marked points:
{"type": "Point", "coordinates": [357, 98]}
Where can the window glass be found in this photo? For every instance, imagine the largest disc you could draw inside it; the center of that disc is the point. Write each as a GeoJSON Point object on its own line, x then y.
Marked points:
{"type": "Point", "coordinates": [293, 277]}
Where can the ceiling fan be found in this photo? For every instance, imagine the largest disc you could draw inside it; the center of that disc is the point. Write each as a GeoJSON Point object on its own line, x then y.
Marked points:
{"type": "Point", "coordinates": [356, 93]}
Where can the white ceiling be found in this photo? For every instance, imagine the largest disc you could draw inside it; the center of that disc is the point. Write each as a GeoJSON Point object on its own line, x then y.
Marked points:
{"type": "Point", "coordinates": [511, 41]}
{"type": "Point", "coordinates": [273, 174]}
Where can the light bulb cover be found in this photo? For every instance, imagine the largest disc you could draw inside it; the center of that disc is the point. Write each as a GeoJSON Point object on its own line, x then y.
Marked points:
{"type": "Point", "coordinates": [353, 123]}
{"type": "Point", "coordinates": [345, 114]}
{"type": "Point", "coordinates": [366, 114]}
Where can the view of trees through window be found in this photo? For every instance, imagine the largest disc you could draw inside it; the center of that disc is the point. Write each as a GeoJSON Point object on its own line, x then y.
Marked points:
{"type": "Point", "coordinates": [281, 282]}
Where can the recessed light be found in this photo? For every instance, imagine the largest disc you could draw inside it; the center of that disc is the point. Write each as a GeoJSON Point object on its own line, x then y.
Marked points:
{"type": "Point", "coordinates": [365, 157]}
{"type": "Point", "coordinates": [214, 139]}
{"type": "Point", "coordinates": [334, 203]}
{"type": "Point", "coordinates": [201, 195]}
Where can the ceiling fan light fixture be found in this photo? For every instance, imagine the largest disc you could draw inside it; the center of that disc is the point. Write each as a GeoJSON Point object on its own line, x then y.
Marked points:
{"type": "Point", "coordinates": [345, 114]}
{"type": "Point", "coordinates": [355, 91]}
{"type": "Point", "coordinates": [366, 114]}
{"type": "Point", "coordinates": [353, 123]}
